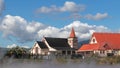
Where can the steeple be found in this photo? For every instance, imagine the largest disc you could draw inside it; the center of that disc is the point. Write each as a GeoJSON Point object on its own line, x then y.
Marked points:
{"type": "Point", "coordinates": [72, 34]}
{"type": "Point", "coordinates": [72, 39]}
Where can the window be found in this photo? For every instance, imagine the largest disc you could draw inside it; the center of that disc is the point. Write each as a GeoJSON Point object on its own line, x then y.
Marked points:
{"type": "Point", "coordinates": [63, 52]}
{"type": "Point", "coordinates": [36, 50]}
{"type": "Point", "coordinates": [102, 52]}
{"type": "Point", "coordinates": [69, 52]}
{"type": "Point", "coordinates": [93, 40]}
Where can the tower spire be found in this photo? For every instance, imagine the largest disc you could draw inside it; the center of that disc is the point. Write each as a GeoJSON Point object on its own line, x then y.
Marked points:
{"type": "Point", "coordinates": [72, 40]}
{"type": "Point", "coordinates": [72, 34]}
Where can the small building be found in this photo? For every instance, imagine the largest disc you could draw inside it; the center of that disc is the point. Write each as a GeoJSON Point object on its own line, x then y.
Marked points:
{"type": "Point", "coordinates": [57, 46]}
{"type": "Point", "coordinates": [102, 44]}
{"type": "Point", "coordinates": [39, 48]}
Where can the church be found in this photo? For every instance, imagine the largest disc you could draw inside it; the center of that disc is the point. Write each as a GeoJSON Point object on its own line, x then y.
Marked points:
{"type": "Point", "coordinates": [57, 46]}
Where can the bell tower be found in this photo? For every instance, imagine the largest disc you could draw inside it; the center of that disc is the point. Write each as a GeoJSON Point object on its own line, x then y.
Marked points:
{"type": "Point", "coordinates": [72, 39]}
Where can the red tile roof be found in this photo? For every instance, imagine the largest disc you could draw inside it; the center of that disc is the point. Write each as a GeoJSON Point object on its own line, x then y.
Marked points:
{"type": "Point", "coordinates": [89, 47]}
{"type": "Point", "coordinates": [72, 34]}
{"type": "Point", "coordinates": [92, 47]}
{"type": "Point", "coordinates": [112, 39]}
{"type": "Point", "coordinates": [104, 41]}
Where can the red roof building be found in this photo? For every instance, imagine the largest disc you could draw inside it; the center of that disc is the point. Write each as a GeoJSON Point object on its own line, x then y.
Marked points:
{"type": "Point", "coordinates": [105, 42]}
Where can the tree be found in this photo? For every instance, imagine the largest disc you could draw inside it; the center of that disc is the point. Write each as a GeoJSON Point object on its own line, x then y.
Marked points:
{"type": "Point", "coordinates": [16, 52]}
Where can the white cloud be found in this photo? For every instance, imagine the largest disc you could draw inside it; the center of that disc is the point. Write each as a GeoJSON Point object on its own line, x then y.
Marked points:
{"type": "Point", "coordinates": [34, 27]}
{"type": "Point", "coordinates": [73, 9]}
{"type": "Point", "coordinates": [14, 45]}
{"type": "Point", "coordinates": [1, 6]}
{"type": "Point", "coordinates": [83, 30]}
{"type": "Point", "coordinates": [18, 27]}
{"type": "Point", "coordinates": [67, 7]}
{"type": "Point", "coordinates": [25, 46]}
{"type": "Point", "coordinates": [24, 31]}
{"type": "Point", "coordinates": [11, 46]}
{"type": "Point", "coordinates": [49, 31]}
{"type": "Point", "coordinates": [98, 16]}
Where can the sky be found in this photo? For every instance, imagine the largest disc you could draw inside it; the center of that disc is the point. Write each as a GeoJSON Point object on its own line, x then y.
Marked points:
{"type": "Point", "coordinates": [22, 22]}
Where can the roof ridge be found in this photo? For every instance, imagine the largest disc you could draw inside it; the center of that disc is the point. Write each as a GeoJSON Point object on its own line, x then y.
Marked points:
{"type": "Point", "coordinates": [105, 33]}
{"type": "Point", "coordinates": [55, 38]}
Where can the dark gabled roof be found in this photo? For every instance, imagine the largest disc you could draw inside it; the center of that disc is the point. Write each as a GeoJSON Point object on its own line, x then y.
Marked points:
{"type": "Point", "coordinates": [42, 45]}
{"type": "Point", "coordinates": [58, 43]}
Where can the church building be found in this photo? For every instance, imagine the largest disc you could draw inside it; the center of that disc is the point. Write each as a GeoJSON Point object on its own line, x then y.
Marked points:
{"type": "Point", "coordinates": [57, 46]}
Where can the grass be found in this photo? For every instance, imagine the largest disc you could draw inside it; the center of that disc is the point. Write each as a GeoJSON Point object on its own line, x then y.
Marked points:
{"type": "Point", "coordinates": [109, 60]}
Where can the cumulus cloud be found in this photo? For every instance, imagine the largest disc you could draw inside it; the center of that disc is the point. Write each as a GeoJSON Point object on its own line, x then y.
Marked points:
{"type": "Point", "coordinates": [72, 7]}
{"type": "Point", "coordinates": [21, 29]}
{"type": "Point", "coordinates": [25, 31]}
{"type": "Point", "coordinates": [1, 6]}
{"type": "Point", "coordinates": [67, 7]}
{"type": "Point", "coordinates": [98, 16]}
{"type": "Point", "coordinates": [83, 30]}
{"type": "Point", "coordinates": [73, 11]}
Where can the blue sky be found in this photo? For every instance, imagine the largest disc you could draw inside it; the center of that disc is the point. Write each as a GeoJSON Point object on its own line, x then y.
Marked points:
{"type": "Point", "coordinates": [24, 21]}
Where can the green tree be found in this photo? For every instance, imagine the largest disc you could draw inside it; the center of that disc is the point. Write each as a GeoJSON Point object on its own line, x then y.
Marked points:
{"type": "Point", "coordinates": [16, 52]}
